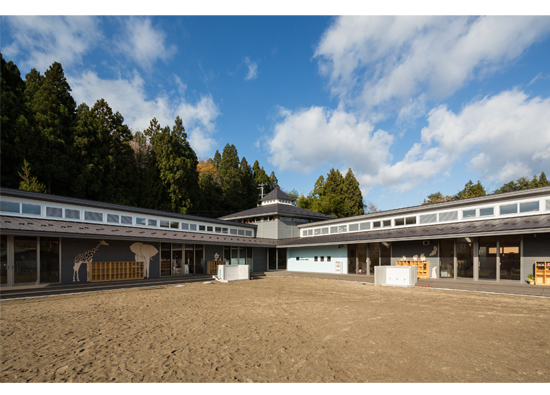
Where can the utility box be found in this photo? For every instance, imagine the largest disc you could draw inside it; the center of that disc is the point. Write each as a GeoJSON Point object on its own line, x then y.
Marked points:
{"type": "Point", "coordinates": [228, 273]}
{"type": "Point", "coordinates": [395, 276]}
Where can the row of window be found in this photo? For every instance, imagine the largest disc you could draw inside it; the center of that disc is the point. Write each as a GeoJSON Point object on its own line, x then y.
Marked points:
{"type": "Point", "coordinates": [503, 209]}
{"type": "Point", "coordinates": [273, 218]}
{"type": "Point", "coordinates": [95, 216]}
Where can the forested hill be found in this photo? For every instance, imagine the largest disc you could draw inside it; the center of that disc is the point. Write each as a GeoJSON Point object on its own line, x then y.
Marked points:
{"type": "Point", "coordinates": [50, 144]}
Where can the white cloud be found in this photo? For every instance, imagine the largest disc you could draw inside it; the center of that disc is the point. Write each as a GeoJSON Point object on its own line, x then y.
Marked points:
{"type": "Point", "coordinates": [143, 43]}
{"type": "Point", "coordinates": [42, 40]}
{"type": "Point", "coordinates": [308, 138]}
{"type": "Point", "coordinates": [381, 63]}
{"type": "Point", "coordinates": [252, 69]}
{"type": "Point", "coordinates": [129, 98]}
{"type": "Point", "coordinates": [503, 137]}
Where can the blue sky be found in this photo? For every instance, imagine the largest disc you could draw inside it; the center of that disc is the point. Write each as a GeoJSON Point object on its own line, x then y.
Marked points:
{"type": "Point", "coordinates": [413, 105]}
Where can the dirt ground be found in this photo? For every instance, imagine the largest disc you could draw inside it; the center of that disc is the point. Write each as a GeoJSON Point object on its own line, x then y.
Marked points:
{"type": "Point", "coordinates": [276, 330]}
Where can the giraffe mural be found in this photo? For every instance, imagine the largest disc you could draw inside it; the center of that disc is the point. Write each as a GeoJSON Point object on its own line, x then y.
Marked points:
{"type": "Point", "coordinates": [85, 257]}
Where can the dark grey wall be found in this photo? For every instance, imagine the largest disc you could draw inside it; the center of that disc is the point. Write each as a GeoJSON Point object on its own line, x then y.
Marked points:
{"type": "Point", "coordinates": [210, 250]}
{"type": "Point", "coordinates": [115, 251]}
{"type": "Point", "coordinates": [416, 247]}
{"type": "Point", "coordinates": [267, 229]}
{"type": "Point", "coordinates": [259, 259]}
{"type": "Point", "coordinates": [287, 229]}
{"type": "Point", "coordinates": [534, 249]}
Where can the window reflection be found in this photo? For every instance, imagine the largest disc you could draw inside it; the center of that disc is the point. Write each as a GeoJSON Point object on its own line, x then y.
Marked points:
{"type": "Point", "coordinates": [488, 258]}
{"type": "Point", "coordinates": [446, 258]}
{"type": "Point", "coordinates": [465, 261]}
{"type": "Point", "coordinates": [510, 257]}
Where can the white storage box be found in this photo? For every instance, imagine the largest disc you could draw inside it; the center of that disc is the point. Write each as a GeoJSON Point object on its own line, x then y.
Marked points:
{"type": "Point", "coordinates": [396, 276]}
{"type": "Point", "coordinates": [228, 273]}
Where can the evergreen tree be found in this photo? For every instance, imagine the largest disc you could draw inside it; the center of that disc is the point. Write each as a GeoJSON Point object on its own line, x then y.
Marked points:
{"type": "Point", "coordinates": [217, 159]}
{"type": "Point", "coordinates": [334, 196]}
{"type": "Point", "coordinates": [508, 187]}
{"type": "Point", "coordinates": [52, 109]}
{"type": "Point", "coordinates": [293, 194]}
{"type": "Point", "coordinates": [16, 135]}
{"type": "Point", "coordinates": [353, 198]}
{"type": "Point", "coordinates": [273, 182]}
{"type": "Point", "coordinates": [230, 179]}
{"type": "Point", "coordinates": [471, 190]}
{"type": "Point", "coordinates": [249, 193]}
{"type": "Point", "coordinates": [543, 181]}
{"type": "Point", "coordinates": [177, 165]}
{"type": "Point", "coordinates": [261, 177]}
{"type": "Point", "coordinates": [108, 170]}
{"type": "Point", "coordinates": [305, 202]}
{"type": "Point", "coordinates": [210, 204]}
{"type": "Point", "coordinates": [29, 183]}
{"type": "Point", "coordinates": [524, 183]}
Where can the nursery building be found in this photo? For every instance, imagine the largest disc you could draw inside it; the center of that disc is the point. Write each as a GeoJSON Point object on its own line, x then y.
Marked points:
{"type": "Point", "coordinates": [53, 239]}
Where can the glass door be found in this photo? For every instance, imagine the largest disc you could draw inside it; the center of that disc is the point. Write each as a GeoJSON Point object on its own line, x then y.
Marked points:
{"type": "Point", "coordinates": [25, 260]}
{"type": "Point", "coordinates": [189, 263]}
{"type": "Point", "coordinates": [165, 259]}
{"type": "Point", "coordinates": [374, 256]}
{"type": "Point", "coordinates": [281, 259]}
{"type": "Point", "coordinates": [510, 257]}
{"type": "Point", "coordinates": [272, 261]}
{"type": "Point", "coordinates": [362, 259]}
{"type": "Point", "coordinates": [385, 254]}
{"type": "Point", "coordinates": [234, 256]}
{"type": "Point", "coordinates": [488, 258]}
{"type": "Point", "coordinates": [465, 258]}
{"type": "Point", "coordinates": [177, 259]}
{"type": "Point", "coordinates": [49, 260]}
{"type": "Point", "coordinates": [3, 259]}
{"type": "Point", "coordinates": [352, 259]}
{"type": "Point", "coordinates": [447, 258]}
{"type": "Point", "coordinates": [199, 259]}
{"type": "Point", "coordinates": [242, 255]}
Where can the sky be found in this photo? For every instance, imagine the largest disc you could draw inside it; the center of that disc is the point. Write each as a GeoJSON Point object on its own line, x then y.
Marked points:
{"type": "Point", "coordinates": [412, 104]}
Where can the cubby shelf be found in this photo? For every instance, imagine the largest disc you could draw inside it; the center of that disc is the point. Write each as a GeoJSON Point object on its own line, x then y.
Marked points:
{"type": "Point", "coordinates": [114, 271]}
{"type": "Point", "coordinates": [542, 273]}
{"type": "Point", "coordinates": [212, 266]}
{"type": "Point", "coordinates": [423, 267]}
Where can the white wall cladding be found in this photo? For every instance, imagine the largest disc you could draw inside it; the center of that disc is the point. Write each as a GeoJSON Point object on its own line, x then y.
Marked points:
{"type": "Point", "coordinates": [475, 212]}
{"type": "Point", "coordinates": [23, 207]}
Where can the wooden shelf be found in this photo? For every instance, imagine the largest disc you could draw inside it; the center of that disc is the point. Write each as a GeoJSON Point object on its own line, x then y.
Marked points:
{"type": "Point", "coordinates": [542, 273]}
{"type": "Point", "coordinates": [212, 266]}
{"type": "Point", "coordinates": [422, 270]}
{"type": "Point", "coordinates": [114, 271]}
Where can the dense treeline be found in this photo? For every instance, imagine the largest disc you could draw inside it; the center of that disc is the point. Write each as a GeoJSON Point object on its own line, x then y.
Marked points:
{"type": "Point", "coordinates": [473, 190]}
{"type": "Point", "coordinates": [49, 144]}
{"type": "Point", "coordinates": [339, 196]}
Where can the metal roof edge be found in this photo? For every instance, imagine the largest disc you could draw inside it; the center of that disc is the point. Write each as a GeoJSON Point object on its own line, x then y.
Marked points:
{"type": "Point", "coordinates": [110, 206]}
{"type": "Point", "coordinates": [439, 206]}
{"type": "Point", "coordinates": [408, 238]}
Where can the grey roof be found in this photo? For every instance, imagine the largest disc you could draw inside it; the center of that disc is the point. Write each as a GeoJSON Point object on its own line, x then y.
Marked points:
{"type": "Point", "coordinates": [277, 209]}
{"type": "Point", "coordinates": [517, 225]}
{"type": "Point", "coordinates": [277, 194]}
{"type": "Point", "coordinates": [45, 227]}
{"type": "Point", "coordinates": [496, 198]}
{"type": "Point", "coordinates": [110, 206]}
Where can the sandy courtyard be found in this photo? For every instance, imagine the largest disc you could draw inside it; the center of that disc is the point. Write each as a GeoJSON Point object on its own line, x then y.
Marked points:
{"type": "Point", "coordinates": [276, 330]}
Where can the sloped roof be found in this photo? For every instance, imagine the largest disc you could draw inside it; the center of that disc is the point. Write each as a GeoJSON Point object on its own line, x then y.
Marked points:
{"type": "Point", "coordinates": [277, 194]}
{"type": "Point", "coordinates": [277, 209]}
{"type": "Point", "coordinates": [492, 227]}
{"type": "Point", "coordinates": [46, 227]}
